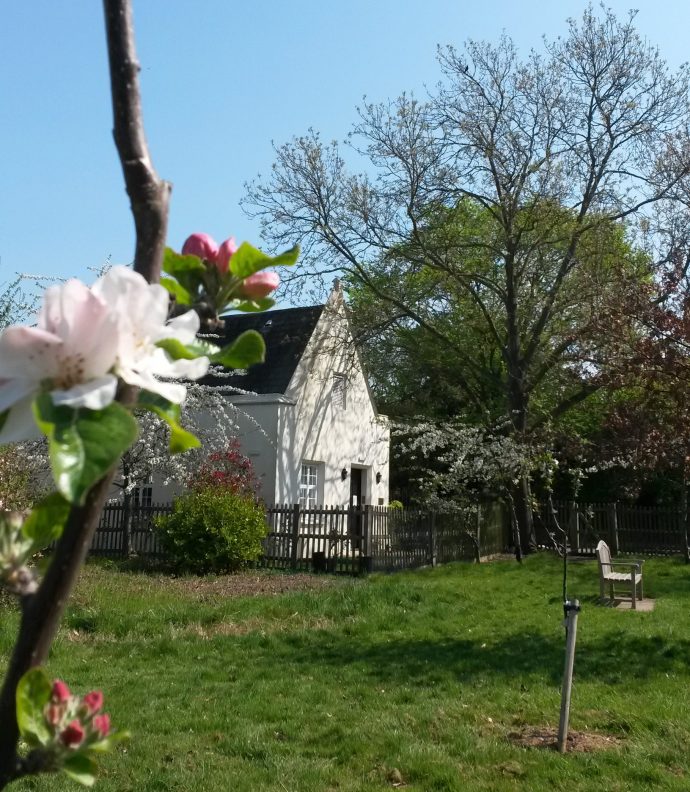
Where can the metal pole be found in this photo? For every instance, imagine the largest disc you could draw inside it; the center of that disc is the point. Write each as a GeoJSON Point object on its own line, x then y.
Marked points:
{"type": "Point", "coordinates": [571, 608]}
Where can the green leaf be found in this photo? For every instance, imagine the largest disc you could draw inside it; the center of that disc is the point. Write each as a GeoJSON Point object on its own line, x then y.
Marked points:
{"type": "Point", "coordinates": [80, 768]}
{"type": "Point", "coordinates": [178, 291]}
{"type": "Point", "coordinates": [247, 260]}
{"type": "Point", "coordinates": [83, 444]}
{"type": "Point", "coordinates": [246, 350]}
{"type": "Point", "coordinates": [33, 693]}
{"type": "Point", "coordinates": [179, 351]}
{"type": "Point", "coordinates": [189, 271]}
{"type": "Point", "coordinates": [254, 306]}
{"type": "Point", "coordinates": [108, 743]}
{"type": "Point", "coordinates": [180, 439]}
{"type": "Point", "coordinates": [46, 521]}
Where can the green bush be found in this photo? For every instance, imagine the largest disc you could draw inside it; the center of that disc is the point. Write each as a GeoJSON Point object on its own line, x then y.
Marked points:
{"type": "Point", "coordinates": [395, 504]}
{"type": "Point", "coordinates": [212, 530]}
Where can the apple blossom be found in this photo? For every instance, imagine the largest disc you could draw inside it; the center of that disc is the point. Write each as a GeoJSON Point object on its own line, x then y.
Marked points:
{"type": "Point", "coordinates": [60, 692]}
{"type": "Point", "coordinates": [84, 340]}
{"type": "Point", "coordinates": [225, 253]}
{"type": "Point", "coordinates": [93, 701]}
{"type": "Point", "coordinates": [54, 713]}
{"type": "Point", "coordinates": [201, 245]}
{"type": "Point", "coordinates": [101, 724]}
{"type": "Point", "coordinates": [72, 735]}
{"type": "Point", "coordinates": [258, 285]}
{"type": "Point", "coordinates": [141, 309]}
{"type": "Point", "coordinates": [71, 352]}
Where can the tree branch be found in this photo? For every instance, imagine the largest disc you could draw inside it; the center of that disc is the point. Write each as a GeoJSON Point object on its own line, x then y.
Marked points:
{"type": "Point", "coordinates": [149, 197]}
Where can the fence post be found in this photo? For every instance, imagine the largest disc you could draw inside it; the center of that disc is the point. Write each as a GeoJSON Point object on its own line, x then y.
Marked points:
{"type": "Point", "coordinates": [478, 544]}
{"type": "Point", "coordinates": [366, 562]}
{"type": "Point", "coordinates": [613, 527]}
{"type": "Point", "coordinates": [572, 608]}
{"type": "Point", "coordinates": [295, 535]}
{"type": "Point", "coordinates": [432, 540]}
{"type": "Point", "coordinates": [572, 535]}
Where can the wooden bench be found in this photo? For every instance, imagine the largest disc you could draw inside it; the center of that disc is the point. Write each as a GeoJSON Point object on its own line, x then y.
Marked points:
{"type": "Point", "coordinates": [632, 578]}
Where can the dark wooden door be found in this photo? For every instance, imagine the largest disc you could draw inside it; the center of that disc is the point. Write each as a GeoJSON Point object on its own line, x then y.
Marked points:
{"type": "Point", "coordinates": [355, 487]}
{"type": "Point", "coordinates": [355, 527]}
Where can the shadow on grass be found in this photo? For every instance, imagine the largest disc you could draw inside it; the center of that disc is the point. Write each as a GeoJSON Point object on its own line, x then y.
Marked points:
{"type": "Point", "coordinates": [609, 658]}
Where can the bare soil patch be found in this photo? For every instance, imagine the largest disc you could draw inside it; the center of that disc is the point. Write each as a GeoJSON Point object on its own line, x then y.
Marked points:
{"type": "Point", "coordinates": [252, 584]}
{"type": "Point", "coordinates": [578, 742]}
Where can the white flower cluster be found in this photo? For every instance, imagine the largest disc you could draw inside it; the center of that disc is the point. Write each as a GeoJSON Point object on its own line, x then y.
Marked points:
{"type": "Point", "coordinates": [84, 340]}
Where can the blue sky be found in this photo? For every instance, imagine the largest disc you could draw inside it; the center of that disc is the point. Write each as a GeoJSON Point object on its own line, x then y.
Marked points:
{"type": "Point", "coordinates": [220, 81]}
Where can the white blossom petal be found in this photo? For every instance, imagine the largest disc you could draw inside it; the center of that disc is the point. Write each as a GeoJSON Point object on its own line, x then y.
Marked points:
{"type": "Point", "coordinates": [171, 391]}
{"type": "Point", "coordinates": [96, 394]}
{"type": "Point", "coordinates": [11, 391]}
{"type": "Point", "coordinates": [184, 327]}
{"type": "Point", "coordinates": [189, 369]}
{"type": "Point", "coordinates": [28, 353]}
{"type": "Point", "coordinates": [144, 305]}
{"type": "Point", "coordinates": [20, 423]}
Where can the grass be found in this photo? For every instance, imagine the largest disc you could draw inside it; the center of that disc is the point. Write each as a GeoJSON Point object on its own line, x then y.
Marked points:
{"type": "Point", "coordinates": [413, 679]}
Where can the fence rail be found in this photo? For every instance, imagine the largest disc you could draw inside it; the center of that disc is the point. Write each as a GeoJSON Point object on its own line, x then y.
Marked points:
{"type": "Point", "coordinates": [113, 535]}
{"type": "Point", "coordinates": [329, 538]}
{"type": "Point", "coordinates": [644, 530]}
{"type": "Point", "coordinates": [376, 538]}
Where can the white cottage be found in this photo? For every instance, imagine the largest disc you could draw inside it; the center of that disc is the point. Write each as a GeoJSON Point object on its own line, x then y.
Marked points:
{"type": "Point", "coordinates": [306, 416]}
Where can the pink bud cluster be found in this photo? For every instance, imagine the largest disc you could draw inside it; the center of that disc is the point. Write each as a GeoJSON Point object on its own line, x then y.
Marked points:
{"type": "Point", "coordinates": [254, 287]}
{"type": "Point", "coordinates": [207, 249]}
{"type": "Point", "coordinates": [76, 722]}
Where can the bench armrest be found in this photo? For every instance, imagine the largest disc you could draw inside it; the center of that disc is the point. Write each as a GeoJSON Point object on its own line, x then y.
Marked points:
{"type": "Point", "coordinates": [631, 564]}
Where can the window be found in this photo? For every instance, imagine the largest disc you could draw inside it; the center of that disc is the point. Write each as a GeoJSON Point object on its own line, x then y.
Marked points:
{"type": "Point", "coordinates": [142, 496]}
{"type": "Point", "coordinates": [308, 485]}
{"type": "Point", "coordinates": [340, 391]}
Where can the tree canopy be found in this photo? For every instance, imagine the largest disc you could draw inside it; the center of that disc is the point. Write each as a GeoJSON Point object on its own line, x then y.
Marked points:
{"type": "Point", "coordinates": [496, 220]}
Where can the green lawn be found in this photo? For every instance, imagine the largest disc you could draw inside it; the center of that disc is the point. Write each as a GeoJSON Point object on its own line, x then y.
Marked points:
{"type": "Point", "coordinates": [414, 678]}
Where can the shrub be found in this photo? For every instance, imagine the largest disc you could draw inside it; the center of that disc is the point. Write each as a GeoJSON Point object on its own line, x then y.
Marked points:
{"type": "Point", "coordinates": [395, 504]}
{"type": "Point", "coordinates": [229, 469]}
{"type": "Point", "coordinates": [212, 530]}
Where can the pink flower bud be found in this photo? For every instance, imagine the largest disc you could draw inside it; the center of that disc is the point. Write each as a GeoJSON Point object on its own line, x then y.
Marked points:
{"type": "Point", "coordinates": [101, 724]}
{"type": "Point", "coordinates": [72, 735]}
{"type": "Point", "coordinates": [201, 245]}
{"type": "Point", "coordinates": [93, 701]}
{"type": "Point", "coordinates": [258, 285]}
{"type": "Point", "coordinates": [225, 253]}
{"type": "Point", "coordinates": [53, 714]}
{"type": "Point", "coordinates": [60, 692]}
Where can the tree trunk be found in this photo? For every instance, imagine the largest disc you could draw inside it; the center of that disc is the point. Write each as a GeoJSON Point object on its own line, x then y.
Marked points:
{"type": "Point", "coordinates": [518, 401]}
{"type": "Point", "coordinates": [522, 490]}
{"type": "Point", "coordinates": [685, 515]}
{"type": "Point", "coordinates": [127, 521]}
{"type": "Point", "coordinates": [522, 497]}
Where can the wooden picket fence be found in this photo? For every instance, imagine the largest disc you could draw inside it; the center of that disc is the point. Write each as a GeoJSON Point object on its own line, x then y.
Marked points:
{"type": "Point", "coordinates": [110, 539]}
{"type": "Point", "coordinates": [331, 538]}
{"type": "Point", "coordinates": [375, 538]}
{"type": "Point", "coordinates": [346, 540]}
{"type": "Point", "coordinates": [637, 530]}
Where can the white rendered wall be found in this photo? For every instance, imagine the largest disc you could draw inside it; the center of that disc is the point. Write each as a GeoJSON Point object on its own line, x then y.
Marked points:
{"type": "Point", "coordinates": [318, 430]}
{"type": "Point", "coordinates": [257, 421]}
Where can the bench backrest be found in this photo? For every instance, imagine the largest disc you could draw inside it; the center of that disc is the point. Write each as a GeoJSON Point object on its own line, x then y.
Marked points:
{"type": "Point", "coordinates": [604, 557]}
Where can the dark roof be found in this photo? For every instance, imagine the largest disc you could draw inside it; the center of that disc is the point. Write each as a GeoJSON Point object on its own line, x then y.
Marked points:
{"type": "Point", "coordinates": [286, 333]}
